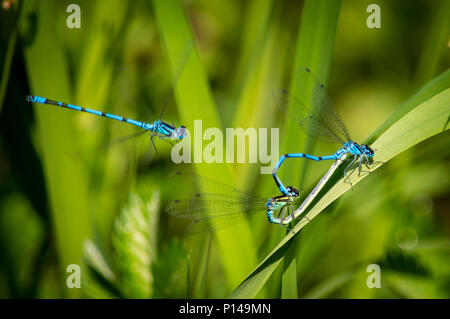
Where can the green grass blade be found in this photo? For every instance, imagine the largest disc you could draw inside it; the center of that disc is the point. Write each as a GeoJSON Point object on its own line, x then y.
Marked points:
{"type": "Point", "coordinates": [424, 121]}
{"type": "Point", "coordinates": [289, 277]}
{"type": "Point", "coordinates": [436, 45]}
{"type": "Point", "coordinates": [255, 107]}
{"type": "Point", "coordinates": [48, 73]}
{"type": "Point", "coordinates": [99, 280]}
{"type": "Point", "coordinates": [199, 290]}
{"type": "Point", "coordinates": [256, 280]}
{"type": "Point", "coordinates": [193, 95]}
{"type": "Point", "coordinates": [95, 75]}
{"type": "Point", "coordinates": [314, 50]}
{"type": "Point", "coordinates": [95, 259]}
{"type": "Point", "coordinates": [254, 33]}
{"type": "Point", "coordinates": [94, 86]}
{"type": "Point", "coordinates": [6, 67]}
{"type": "Point", "coordinates": [327, 287]}
{"type": "Point", "coordinates": [195, 101]}
{"type": "Point", "coordinates": [426, 92]}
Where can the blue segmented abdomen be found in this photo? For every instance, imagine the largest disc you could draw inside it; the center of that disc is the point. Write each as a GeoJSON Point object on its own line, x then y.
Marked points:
{"type": "Point", "coordinates": [270, 217]}
{"type": "Point", "coordinates": [43, 100]}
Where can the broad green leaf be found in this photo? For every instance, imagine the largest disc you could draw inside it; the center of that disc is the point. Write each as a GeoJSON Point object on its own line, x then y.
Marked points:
{"type": "Point", "coordinates": [427, 91]}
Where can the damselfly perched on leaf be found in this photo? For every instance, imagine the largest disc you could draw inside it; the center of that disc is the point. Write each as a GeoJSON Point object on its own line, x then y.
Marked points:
{"type": "Point", "coordinates": [213, 205]}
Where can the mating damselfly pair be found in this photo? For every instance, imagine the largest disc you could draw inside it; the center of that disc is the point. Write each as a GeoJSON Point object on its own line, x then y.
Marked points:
{"type": "Point", "coordinates": [216, 204]}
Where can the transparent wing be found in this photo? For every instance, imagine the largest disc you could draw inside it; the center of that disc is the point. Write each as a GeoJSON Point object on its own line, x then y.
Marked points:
{"type": "Point", "coordinates": [211, 204]}
{"type": "Point", "coordinates": [191, 185]}
{"type": "Point", "coordinates": [208, 224]}
{"type": "Point", "coordinates": [206, 216]}
{"type": "Point", "coordinates": [315, 113]}
{"type": "Point", "coordinates": [199, 208]}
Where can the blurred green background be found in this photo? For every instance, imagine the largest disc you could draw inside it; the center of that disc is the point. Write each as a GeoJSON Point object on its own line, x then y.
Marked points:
{"type": "Point", "coordinates": [71, 195]}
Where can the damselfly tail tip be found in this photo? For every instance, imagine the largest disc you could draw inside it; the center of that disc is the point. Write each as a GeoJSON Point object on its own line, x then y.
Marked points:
{"type": "Point", "coordinates": [29, 98]}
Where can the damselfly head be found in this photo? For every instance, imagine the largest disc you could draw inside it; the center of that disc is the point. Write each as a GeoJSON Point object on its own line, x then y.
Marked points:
{"type": "Point", "coordinates": [179, 133]}
{"type": "Point", "coordinates": [293, 191]}
{"type": "Point", "coordinates": [367, 150]}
